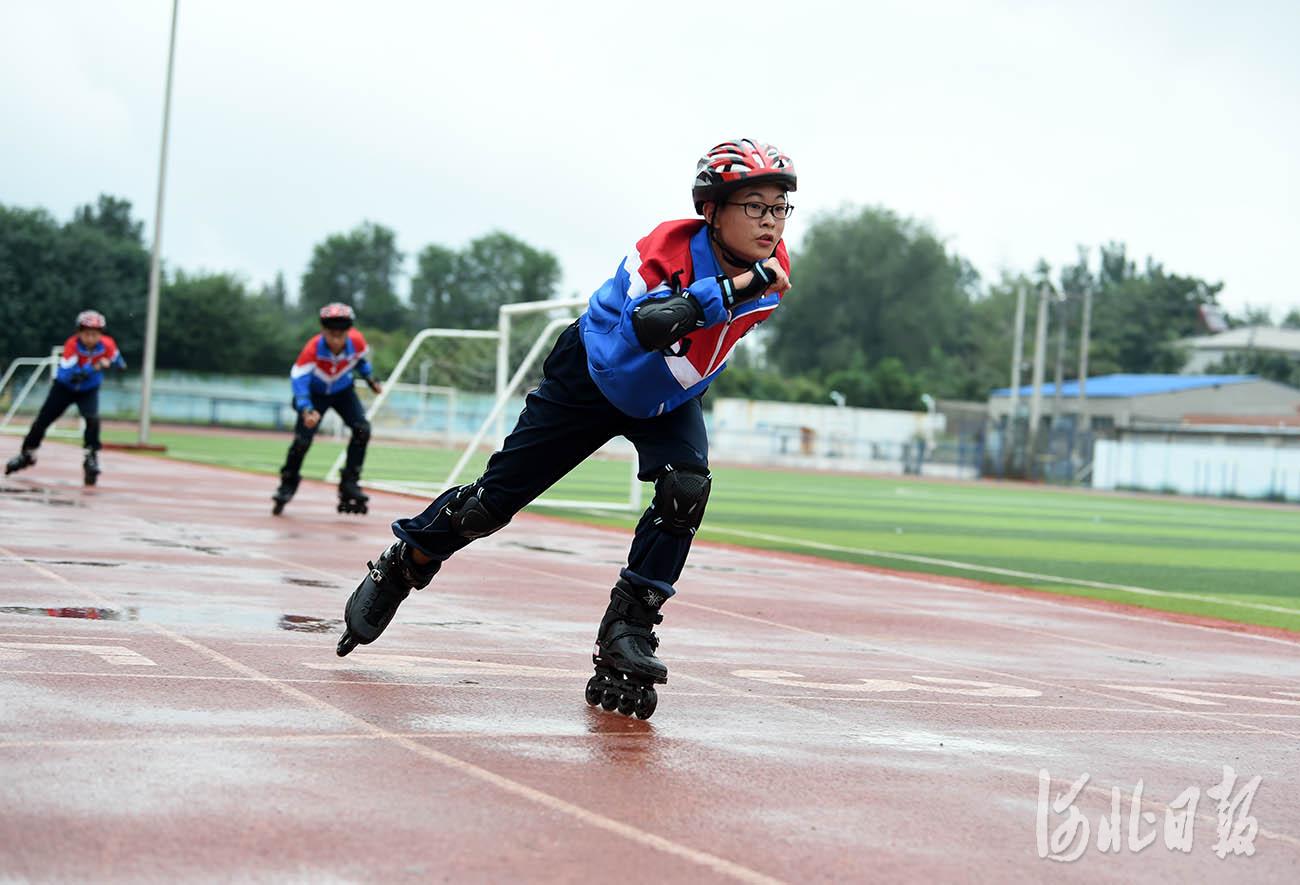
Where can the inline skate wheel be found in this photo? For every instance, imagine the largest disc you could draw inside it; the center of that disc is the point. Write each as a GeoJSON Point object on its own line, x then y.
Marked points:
{"type": "Point", "coordinates": [594, 691]}
{"type": "Point", "coordinates": [646, 704]}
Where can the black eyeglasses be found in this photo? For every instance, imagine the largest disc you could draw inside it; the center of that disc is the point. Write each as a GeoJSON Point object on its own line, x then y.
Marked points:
{"type": "Point", "coordinates": [758, 210]}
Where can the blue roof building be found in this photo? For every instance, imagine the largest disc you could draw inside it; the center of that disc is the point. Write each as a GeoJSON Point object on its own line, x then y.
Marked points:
{"type": "Point", "coordinates": [1123, 386]}
{"type": "Point", "coordinates": [1129, 401]}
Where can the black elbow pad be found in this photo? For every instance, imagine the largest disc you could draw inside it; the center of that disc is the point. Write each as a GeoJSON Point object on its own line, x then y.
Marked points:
{"type": "Point", "coordinates": [662, 322]}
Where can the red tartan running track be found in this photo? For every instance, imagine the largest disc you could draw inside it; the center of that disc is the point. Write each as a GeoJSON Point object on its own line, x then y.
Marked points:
{"type": "Point", "coordinates": [171, 708]}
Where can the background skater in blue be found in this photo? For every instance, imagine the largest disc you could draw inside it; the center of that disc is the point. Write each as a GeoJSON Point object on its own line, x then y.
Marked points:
{"type": "Point", "coordinates": [86, 354]}
{"type": "Point", "coordinates": [322, 380]}
{"type": "Point", "coordinates": [635, 365]}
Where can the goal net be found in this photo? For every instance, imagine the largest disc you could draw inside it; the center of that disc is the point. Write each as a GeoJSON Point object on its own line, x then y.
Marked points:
{"type": "Point", "coordinates": [454, 395]}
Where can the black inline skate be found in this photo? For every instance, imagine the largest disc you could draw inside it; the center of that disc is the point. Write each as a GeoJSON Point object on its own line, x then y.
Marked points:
{"type": "Point", "coordinates": [373, 604]}
{"type": "Point", "coordinates": [351, 498]}
{"type": "Point", "coordinates": [284, 494]}
{"type": "Point", "coordinates": [90, 467]}
{"type": "Point", "coordinates": [626, 667]}
{"type": "Point", "coordinates": [21, 461]}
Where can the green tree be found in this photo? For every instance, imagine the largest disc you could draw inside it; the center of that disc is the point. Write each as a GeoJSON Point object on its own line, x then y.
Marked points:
{"type": "Point", "coordinates": [991, 334]}
{"type": "Point", "coordinates": [1139, 316]}
{"type": "Point", "coordinates": [892, 387]}
{"type": "Point", "coordinates": [745, 379]}
{"type": "Point", "coordinates": [872, 286]}
{"type": "Point", "coordinates": [112, 215]}
{"type": "Point", "coordinates": [50, 272]}
{"type": "Point", "coordinates": [855, 385]}
{"type": "Point", "coordinates": [211, 323]}
{"type": "Point", "coordinates": [1273, 366]}
{"type": "Point", "coordinates": [436, 300]}
{"type": "Point", "coordinates": [465, 289]}
{"type": "Point", "coordinates": [277, 293]}
{"type": "Point", "coordinates": [359, 268]}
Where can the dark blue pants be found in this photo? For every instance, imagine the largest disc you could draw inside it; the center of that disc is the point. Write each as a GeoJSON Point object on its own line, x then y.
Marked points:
{"type": "Point", "coordinates": [56, 403]}
{"type": "Point", "coordinates": [348, 405]}
{"type": "Point", "coordinates": [564, 421]}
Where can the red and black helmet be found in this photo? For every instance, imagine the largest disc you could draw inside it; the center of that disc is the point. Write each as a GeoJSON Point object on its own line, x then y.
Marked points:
{"type": "Point", "coordinates": [727, 165]}
{"type": "Point", "coordinates": [337, 315]}
{"type": "Point", "coordinates": [90, 319]}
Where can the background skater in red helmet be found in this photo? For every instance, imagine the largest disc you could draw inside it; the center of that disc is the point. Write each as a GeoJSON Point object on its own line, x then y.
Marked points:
{"type": "Point", "coordinates": [322, 380]}
{"type": "Point", "coordinates": [86, 354]}
{"type": "Point", "coordinates": [635, 364]}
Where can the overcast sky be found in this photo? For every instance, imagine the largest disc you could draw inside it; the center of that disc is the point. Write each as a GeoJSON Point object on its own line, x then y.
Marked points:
{"type": "Point", "coordinates": [1015, 130]}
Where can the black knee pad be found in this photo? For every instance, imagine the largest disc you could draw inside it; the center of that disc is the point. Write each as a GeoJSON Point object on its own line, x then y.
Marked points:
{"type": "Point", "coordinates": [301, 443]}
{"type": "Point", "coordinates": [470, 517]}
{"type": "Point", "coordinates": [361, 433]}
{"type": "Point", "coordinates": [680, 496]}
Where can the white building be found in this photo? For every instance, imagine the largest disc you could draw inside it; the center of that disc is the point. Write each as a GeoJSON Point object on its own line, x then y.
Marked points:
{"type": "Point", "coordinates": [818, 437]}
{"type": "Point", "coordinates": [1206, 350]}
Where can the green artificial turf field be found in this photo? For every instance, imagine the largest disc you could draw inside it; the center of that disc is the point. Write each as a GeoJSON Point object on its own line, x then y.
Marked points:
{"type": "Point", "coordinates": [1217, 558]}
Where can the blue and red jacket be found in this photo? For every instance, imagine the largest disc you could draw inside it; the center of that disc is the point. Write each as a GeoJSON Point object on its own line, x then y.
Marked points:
{"type": "Point", "coordinates": [79, 368]}
{"type": "Point", "coordinates": [644, 383]}
{"type": "Point", "coordinates": [322, 371]}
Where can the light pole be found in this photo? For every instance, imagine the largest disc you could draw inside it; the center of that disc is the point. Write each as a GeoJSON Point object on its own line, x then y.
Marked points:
{"type": "Point", "coordinates": [1017, 353]}
{"type": "Point", "coordinates": [1017, 364]}
{"type": "Point", "coordinates": [155, 259]}
{"type": "Point", "coordinates": [1062, 321]}
{"type": "Point", "coordinates": [1084, 343]}
{"type": "Point", "coordinates": [1036, 395]}
{"type": "Point", "coordinates": [931, 409]}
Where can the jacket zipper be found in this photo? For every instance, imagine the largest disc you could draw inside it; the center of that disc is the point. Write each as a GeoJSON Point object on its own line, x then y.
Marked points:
{"type": "Point", "coordinates": [722, 339]}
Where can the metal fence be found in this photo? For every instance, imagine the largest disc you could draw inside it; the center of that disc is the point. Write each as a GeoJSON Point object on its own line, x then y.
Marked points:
{"type": "Point", "coordinates": [1061, 452]}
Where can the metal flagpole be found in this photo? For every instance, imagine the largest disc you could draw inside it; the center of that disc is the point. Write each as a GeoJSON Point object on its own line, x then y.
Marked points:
{"type": "Point", "coordinates": [155, 260]}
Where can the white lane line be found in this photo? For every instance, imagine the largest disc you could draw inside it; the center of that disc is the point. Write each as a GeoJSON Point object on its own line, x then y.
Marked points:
{"type": "Point", "coordinates": [1092, 788]}
{"type": "Point", "coordinates": [968, 667]}
{"type": "Point", "coordinates": [289, 690]}
{"type": "Point", "coordinates": [118, 655]}
{"type": "Point", "coordinates": [1221, 718]}
{"type": "Point", "coordinates": [704, 859]}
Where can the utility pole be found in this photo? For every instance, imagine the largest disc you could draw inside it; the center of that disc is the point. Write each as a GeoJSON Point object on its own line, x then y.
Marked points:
{"type": "Point", "coordinates": [1084, 420]}
{"type": "Point", "coordinates": [1017, 351]}
{"type": "Point", "coordinates": [1036, 395]}
{"type": "Point", "coordinates": [1061, 322]}
{"type": "Point", "coordinates": [155, 259]}
{"type": "Point", "coordinates": [1017, 362]}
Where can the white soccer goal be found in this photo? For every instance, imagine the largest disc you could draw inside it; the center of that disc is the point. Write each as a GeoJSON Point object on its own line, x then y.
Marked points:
{"type": "Point", "coordinates": [21, 390]}
{"type": "Point", "coordinates": [480, 376]}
